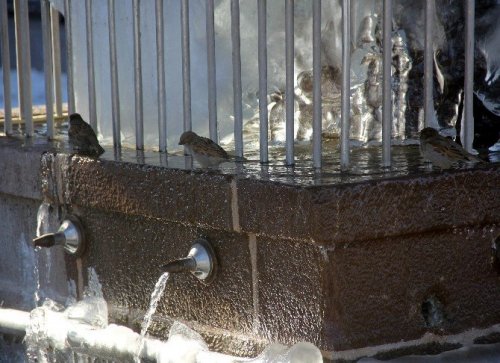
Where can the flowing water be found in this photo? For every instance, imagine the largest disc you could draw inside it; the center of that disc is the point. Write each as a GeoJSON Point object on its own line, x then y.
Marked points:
{"type": "Point", "coordinates": [155, 299]}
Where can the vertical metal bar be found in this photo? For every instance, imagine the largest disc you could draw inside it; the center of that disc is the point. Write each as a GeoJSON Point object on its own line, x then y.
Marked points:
{"type": "Point", "coordinates": [160, 67]}
{"type": "Point", "coordinates": [262, 48]}
{"type": "Point", "coordinates": [56, 58]}
{"type": "Point", "coordinates": [69, 56]}
{"type": "Point", "coordinates": [24, 63]}
{"type": "Point", "coordinates": [289, 83]}
{"type": "Point", "coordinates": [113, 63]}
{"type": "Point", "coordinates": [468, 119]}
{"type": "Point", "coordinates": [47, 66]}
{"type": "Point", "coordinates": [317, 115]}
{"type": "Point", "coordinates": [237, 90]}
{"type": "Point", "coordinates": [212, 90]}
{"type": "Point", "coordinates": [139, 125]}
{"type": "Point", "coordinates": [428, 63]}
{"type": "Point", "coordinates": [186, 65]}
{"type": "Point", "coordinates": [346, 84]}
{"type": "Point", "coordinates": [90, 65]}
{"type": "Point", "coordinates": [387, 94]}
{"type": "Point", "coordinates": [6, 68]}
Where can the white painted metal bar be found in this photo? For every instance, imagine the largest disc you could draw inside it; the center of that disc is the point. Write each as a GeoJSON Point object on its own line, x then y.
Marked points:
{"type": "Point", "coordinates": [24, 63]}
{"type": "Point", "coordinates": [317, 114]}
{"type": "Point", "coordinates": [160, 70]}
{"type": "Point", "coordinates": [289, 83]}
{"type": "Point", "coordinates": [69, 56]}
{"type": "Point", "coordinates": [262, 56]}
{"type": "Point", "coordinates": [90, 65]}
{"type": "Point", "coordinates": [139, 122]}
{"type": "Point", "coordinates": [237, 89]}
{"type": "Point", "coordinates": [113, 63]}
{"type": "Point", "coordinates": [387, 92]}
{"type": "Point", "coordinates": [56, 58]}
{"type": "Point", "coordinates": [429, 63]}
{"type": "Point", "coordinates": [7, 100]}
{"type": "Point", "coordinates": [47, 66]}
{"type": "Point", "coordinates": [186, 65]}
{"type": "Point", "coordinates": [212, 90]}
{"type": "Point", "coordinates": [468, 116]}
{"type": "Point", "coordinates": [346, 84]}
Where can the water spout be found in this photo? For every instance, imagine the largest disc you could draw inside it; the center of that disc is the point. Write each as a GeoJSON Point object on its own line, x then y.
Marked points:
{"type": "Point", "coordinates": [200, 261]}
{"type": "Point", "coordinates": [186, 264]}
{"type": "Point", "coordinates": [70, 235]}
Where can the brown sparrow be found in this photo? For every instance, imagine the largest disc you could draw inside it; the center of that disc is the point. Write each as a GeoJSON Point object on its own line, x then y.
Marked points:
{"type": "Point", "coordinates": [205, 151]}
{"type": "Point", "coordinates": [82, 137]}
{"type": "Point", "coordinates": [443, 152]}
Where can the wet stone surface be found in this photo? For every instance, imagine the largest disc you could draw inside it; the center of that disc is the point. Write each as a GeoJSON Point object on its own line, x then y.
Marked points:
{"type": "Point", "coordinates": [343, 260]}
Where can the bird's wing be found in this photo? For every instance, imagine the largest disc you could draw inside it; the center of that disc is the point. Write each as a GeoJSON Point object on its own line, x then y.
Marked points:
{"type": "Point", "coordinates": [208, 147]}
{"type": "Point", "coordinates": [452, 150]}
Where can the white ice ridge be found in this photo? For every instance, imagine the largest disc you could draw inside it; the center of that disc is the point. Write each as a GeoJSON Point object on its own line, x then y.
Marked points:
{"type": "Point", "coordinates": [80, 329]}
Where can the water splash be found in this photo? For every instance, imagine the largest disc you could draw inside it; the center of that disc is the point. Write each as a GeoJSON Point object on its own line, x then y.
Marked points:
{"type": "Point", "coordinates": [155, 299]}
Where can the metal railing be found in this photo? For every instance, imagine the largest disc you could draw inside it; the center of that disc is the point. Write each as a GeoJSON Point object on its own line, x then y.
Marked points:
{"type": "Point", "coordinates": [53, 73]}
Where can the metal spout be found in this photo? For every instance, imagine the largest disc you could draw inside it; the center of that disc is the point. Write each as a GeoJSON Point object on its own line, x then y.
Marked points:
{"type": "Point", "coordinates": [200, 261]}
{"type": "Point", "coordinates": [186, 264]}
{"type": "Point", "coordinates": [70, 235]}
{"type": "Point", "coordinates": [49, 240]}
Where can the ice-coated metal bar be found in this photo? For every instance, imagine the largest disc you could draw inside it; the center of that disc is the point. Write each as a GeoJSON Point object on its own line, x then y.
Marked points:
{"type": "Point", "coordinates": [7, 100]}
{"type": "Point", "coordinates": [113, 63]}
{"type": "Point", "coordinates": [212, 90]}
{"type": "Point", "coordinates": [468, 119]}
{"type": "Point", "coordinates": [24, 63]}
{"type": "Point", "coordinates": [160, 70]}
{"type": "Point", "coordinates": [262, 50]}
{"type": "Point", "coordinates": [346, 84]}
{"type": "Point", "coordinates": [428, 63]}
{"type": "Point", "coordinates": [69, 56]}
{"type": "Point", "coordinates": [47, 66]}
{"type": "Point", "coordinates": [237, 90]}
{"type": "Point", "coordinates": [186, 65]}
{"type": "Point", "coordinates": [139, 125]}
{"type": "Point", "coordinates": [56, 58]}
{"type": "Point", "coordinates": [317, 114]}
{"type": "Point", "coordinates": [289, 83]}
{"type": "Point", "coordinates": [387, 100]}
{"type": "Point", "coordinates": [90, 65]}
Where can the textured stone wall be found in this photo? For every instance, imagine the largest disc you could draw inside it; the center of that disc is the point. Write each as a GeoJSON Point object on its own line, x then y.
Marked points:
{"type": "Point", "coordinates": [389, 264]}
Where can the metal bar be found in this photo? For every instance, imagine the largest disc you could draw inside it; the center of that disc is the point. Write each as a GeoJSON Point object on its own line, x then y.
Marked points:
{"type": "Point", "coordinates": [237, 89]}
{"type": "Point", "coordinates": [6, 68]}
{"type": "Point", "coordinates": [90, 65]}
{"type": "Point", "coordinates": [47, 66]}
{"type": "Point", "coordinates": [346, 84]}
{"type": "Point", "coordinates": [19, 54]}
{"type": "Point", "coordinates": [387, 94]}
{"type": "Point", "coordinates": [289, 83]}
{"type": "Point", "coordinates": [212, 90]}
{"type": "Point", "coordinates": [56, 59]}
{"type": "Point", "coordinates": [317, 114]}
{"type": "Point", "coordinates": [186, 65]}
{"type": "Point", "coordinates": [24, 64]}
{"type": "Point", "coordinates": [160, 67]}
{"type": "Point", "coordinates": [468, 119]}
{"type": "Point", "coordinates": [139, 125]}
{"type": "Point", "coordinates": [262, 49]}
{"type": "Point", "coordinates": [113, 64]}
{"type": "Point", "coordinates": [428, 63]}
{"type": "Point", "coordinates": [69, 56]}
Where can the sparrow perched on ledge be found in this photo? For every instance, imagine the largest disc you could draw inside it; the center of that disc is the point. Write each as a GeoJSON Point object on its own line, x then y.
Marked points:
{"type": "Point", "coordinates": [82, 137]}
{"type": "Point", "coordinates": [205, 151]}
{"type": "Point", "coordinates": [443, 152]}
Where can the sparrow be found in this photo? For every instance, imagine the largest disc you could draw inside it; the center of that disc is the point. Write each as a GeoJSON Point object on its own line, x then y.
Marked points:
{"type": "Point", "coordinates": [443, 152]}
{"type": "Point", "coordinates": [82, 137]}
{"type": "Point", "coordinates": [205, 151]}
